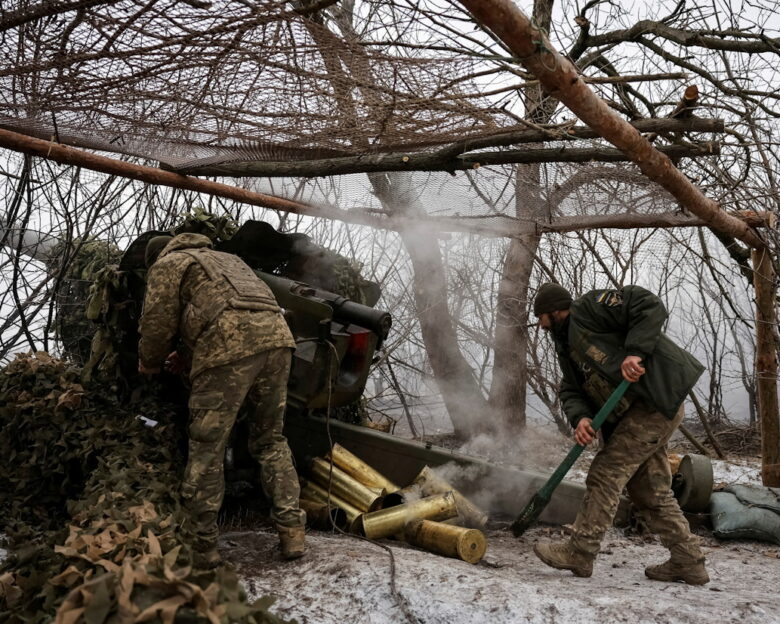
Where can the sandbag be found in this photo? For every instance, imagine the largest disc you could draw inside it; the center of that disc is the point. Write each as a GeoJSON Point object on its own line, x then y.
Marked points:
{"type": "Point", "coordinates": [746, 512]}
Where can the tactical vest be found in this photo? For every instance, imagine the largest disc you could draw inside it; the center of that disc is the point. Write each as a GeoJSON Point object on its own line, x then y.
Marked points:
{"type": "Point", "coordinates": [232, 285]}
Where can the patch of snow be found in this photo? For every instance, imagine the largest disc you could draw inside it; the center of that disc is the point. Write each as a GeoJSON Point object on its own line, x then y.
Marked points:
{"type": "Point", "coordinates": [743, 471]}
{"type": "Point", "coordinates": [735, 470]}
{"type": "Point", "coordinates": [344, 579]}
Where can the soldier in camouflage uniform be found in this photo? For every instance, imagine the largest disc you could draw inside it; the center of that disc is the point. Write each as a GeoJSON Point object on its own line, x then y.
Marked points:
{"type": "Point", "coordinates": [600, 338]}
{"type": "Point", "coordinates": [241, 347]}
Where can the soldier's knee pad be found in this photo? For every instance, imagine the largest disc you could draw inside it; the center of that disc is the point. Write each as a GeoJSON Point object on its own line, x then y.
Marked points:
{"type": "Point", "coordinates": [207, 417]}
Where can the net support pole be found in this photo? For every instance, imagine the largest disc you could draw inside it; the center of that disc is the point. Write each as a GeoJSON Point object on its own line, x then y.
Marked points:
{"type": "Point", "coordinates": [150, 175]}
{"type": "Point", "coordinates": [561, 79]}
{"type": "Point", "coordinates": [766, 366]}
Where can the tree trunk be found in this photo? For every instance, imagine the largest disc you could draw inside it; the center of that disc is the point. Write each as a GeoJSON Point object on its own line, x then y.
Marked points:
{"type": "Point", "coordinates": [459, 389]}
{"type": "Point", "coordinates": [508, 390]}
{"type": "Point", "coordinates": [766, 366]}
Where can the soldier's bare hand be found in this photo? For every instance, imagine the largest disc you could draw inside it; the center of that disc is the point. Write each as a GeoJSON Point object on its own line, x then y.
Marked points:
{"type": "Point", "coordinates": [584, 433]}
{"type": "Point", "coordinates": [632, 368]}
{"type": "Point", "coordinates": [174, 363]}
{"type": "Point", "coordinates": [147, 371]}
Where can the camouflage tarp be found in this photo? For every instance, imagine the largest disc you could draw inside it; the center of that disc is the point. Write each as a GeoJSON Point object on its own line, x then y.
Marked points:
{"type": "Point", "coordinates": [88, 498]}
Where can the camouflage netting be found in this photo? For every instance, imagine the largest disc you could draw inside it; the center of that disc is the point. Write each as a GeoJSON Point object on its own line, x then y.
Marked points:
{"type": "Point", "coordinates": [230, 81]}
{"type": "Point", "coordinates": [85, 260]}
{"type": "Point", "coordinates": [87, 497]}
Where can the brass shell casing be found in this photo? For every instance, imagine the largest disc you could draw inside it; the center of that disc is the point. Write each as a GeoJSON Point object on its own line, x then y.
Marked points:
{"type": "Point", "coordinates": [391, 521]}
{"type": "Point", "coordinates": [444, 539]}
{"type": "Point", "coordinates": [360, 470]}
{"type": "Point", "coordinates": [345, 487]}
{"type": "Point", "coordinates": [314, 492]}
{"type": "Point", "coordinates": [429, 484]}
{"type": "Point", "coordinates": [320, 515]}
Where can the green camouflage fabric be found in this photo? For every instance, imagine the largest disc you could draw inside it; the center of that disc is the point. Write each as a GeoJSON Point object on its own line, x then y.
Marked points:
{"type": "Point", "coordinates": [634, 457]}
{"type": "Point", "coordinates": [170, 312]}
{"type": "Point", "coordinates": [217, 395]}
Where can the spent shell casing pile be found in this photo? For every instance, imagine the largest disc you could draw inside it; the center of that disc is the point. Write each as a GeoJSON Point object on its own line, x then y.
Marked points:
{"type": "Point", "coordinates": [426, 513]}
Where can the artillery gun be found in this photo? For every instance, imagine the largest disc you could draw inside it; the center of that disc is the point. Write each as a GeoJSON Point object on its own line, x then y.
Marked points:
{"type": "Point", "coordinates": [337, 335]}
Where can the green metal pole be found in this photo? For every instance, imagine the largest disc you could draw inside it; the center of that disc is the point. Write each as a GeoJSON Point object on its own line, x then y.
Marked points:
{"type": "Point", "coordinates": [537, 504]}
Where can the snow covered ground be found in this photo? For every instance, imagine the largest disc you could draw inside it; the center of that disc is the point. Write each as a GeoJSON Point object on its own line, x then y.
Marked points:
{"type": "Point", "coordinates": [344, 579]}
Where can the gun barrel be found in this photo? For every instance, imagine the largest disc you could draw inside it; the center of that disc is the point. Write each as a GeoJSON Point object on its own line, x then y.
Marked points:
{"type": "Point", "coordinates": [344, 310]}
{"type": "Point", "coordinates": [348, 311]}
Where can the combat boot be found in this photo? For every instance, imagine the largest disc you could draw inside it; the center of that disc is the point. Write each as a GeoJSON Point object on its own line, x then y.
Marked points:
{"type": "Point", "coordinates": [206, 560]}
{"type": "Point", "coordinates": [564, 556]}
{"type": "Point", "coordinates": [682, 566]}
{"type": "Point", "coordinates": [291, 540]}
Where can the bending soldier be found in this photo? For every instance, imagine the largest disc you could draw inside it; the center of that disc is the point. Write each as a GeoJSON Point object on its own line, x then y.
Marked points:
{"type": "Point", "coordinates": [599, 338]}
{"type": "Point", "coordinates": [241, 348]}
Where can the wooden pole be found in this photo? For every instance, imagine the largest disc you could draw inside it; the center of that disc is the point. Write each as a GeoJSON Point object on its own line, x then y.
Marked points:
{"type": "Point", "coordinates": [766, 366]}
{"type": "Point", "coordinates": [561, 79]}
{"type": "Point", "coordinates": [706, 424]}
{"type": "Point", "coordinates": [692, 439]}
{"type": "Point", "coordinates": [485, 227]}
{"type": "Point", "coordinates": [151, 175]}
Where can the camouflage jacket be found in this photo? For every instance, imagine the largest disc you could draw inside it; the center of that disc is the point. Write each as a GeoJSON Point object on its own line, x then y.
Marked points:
{"type": "Point", "coordinates": [183, 301]}
{"type": "Point", "coordinates": [604, 327]}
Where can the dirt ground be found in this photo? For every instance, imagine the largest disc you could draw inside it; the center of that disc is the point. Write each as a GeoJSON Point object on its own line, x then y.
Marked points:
{"type": "Point", "coordinates": [344, 579]}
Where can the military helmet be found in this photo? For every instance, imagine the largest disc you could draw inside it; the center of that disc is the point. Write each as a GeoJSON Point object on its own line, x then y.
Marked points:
{"type": "Point", "coordinates": [154, 248]}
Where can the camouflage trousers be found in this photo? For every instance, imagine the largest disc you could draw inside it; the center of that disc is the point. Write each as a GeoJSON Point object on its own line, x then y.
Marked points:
{"type": "Point", "coordinates": [634, 457]}
{"type": "Point", "coordinates": [217, 396]}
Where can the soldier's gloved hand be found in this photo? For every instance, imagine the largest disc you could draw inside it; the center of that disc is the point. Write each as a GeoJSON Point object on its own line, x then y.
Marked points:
{"type": "Point", "coordinates": [632, 368]}
{"type": "Point", "coordinates": [584, 433]}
